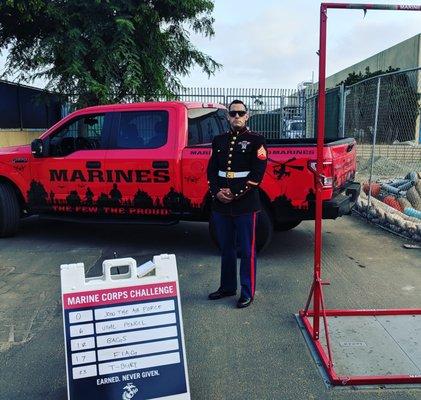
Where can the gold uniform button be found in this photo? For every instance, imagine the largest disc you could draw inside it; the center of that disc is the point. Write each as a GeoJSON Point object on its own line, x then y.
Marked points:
{"type": "Point", "coordinates": [229, 155]}
{"type": "Point", "coordinates": [231, 149]}
{"type": "Point", "coordinates": [229, 168]}
{"type": "Point", "coordinates": [235, 137]}
{"type": "Point", "coordinates": [229, 161]}
{"type": "Point", "coordinates": [232, 142]}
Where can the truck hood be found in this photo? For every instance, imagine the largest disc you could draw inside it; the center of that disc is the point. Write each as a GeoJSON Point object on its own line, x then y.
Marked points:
{"type": "Point", "coordinates": [15, 150]}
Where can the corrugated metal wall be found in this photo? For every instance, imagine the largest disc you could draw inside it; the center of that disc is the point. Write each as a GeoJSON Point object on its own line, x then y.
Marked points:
{"type": "Point", "coordinates": [23, 107]}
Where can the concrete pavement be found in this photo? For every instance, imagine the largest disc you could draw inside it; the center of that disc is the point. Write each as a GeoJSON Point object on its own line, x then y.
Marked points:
{"type": "Point", "coordinates": [256, 353]}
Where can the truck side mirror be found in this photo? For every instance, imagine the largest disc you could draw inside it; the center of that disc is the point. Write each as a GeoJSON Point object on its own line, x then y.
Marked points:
{"type": "Point", "coordinates": [37, 148]}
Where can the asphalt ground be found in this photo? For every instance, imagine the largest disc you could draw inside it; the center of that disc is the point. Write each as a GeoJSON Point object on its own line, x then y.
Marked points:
{"type": "Point", "coordinates": [254, 353]}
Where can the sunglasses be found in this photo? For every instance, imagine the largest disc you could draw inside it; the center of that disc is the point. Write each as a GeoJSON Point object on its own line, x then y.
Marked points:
{"type": "Point", "coordinates": [234, 113]}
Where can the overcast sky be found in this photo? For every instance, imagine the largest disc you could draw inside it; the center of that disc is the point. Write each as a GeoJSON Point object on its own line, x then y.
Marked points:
{"type": "Point", "coordinates": [273, 43]}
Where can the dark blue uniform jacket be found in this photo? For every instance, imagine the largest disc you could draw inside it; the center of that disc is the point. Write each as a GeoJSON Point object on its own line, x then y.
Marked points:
{"type": "Point", "coordinates": [232, 153]}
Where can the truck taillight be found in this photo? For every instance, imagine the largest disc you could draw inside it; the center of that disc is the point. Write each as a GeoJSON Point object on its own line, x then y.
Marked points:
{"type": "Point", "coordinates": [327, 175]}
{"type": "Point", "coordinates": [327, 181]}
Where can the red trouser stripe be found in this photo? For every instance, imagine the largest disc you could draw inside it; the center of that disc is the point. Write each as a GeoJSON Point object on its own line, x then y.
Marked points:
{"type": "Point", "coordinates": [253, 256]}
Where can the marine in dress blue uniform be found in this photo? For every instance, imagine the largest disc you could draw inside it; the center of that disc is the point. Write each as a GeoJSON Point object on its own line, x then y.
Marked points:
{"type": "Point", "coordinates": [235, 170]}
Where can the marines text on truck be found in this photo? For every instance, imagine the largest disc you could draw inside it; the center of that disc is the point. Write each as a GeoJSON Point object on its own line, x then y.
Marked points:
{"type": "Point", "coordinates": [146, 163]}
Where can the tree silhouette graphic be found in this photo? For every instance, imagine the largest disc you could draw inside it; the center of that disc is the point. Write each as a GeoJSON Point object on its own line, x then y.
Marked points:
{"type": "Point", "coordinates": [283, 203]}
{"type": "Point", "coordinates": [142, 200]}
{"type": "Point", "coordinates": [52, 195]}
{"type": "Point", "coordinates": [37, 195]}
{"type": "Point", "coordinates": [73, 199]}
{"type": "Point", "coordinates": [176, 201]}
{"type": "Point", "coordinates": [103, 200]}
{"type": "Point", "coordinates": [89, 197]}
{"type": "Point", "coordinates": [311, 198]}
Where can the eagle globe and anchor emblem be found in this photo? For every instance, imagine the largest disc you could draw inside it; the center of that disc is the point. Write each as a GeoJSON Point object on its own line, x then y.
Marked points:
{"type": "Point", "coordinates": [129, 391]}
{"type": "Point", "coordinates": [244, 144]}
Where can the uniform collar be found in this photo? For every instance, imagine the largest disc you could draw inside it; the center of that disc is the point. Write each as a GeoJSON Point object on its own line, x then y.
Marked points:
{"type": "Point", "coordinates": [244, 129]}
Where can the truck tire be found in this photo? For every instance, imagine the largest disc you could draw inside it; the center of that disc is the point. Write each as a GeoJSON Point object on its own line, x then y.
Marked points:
{"type": "Point", "coordinates": [281, 226]}
{"type": "Point", "coordinates": [9, 211]}
{"type": "Point", "coordinates": [264, 230]}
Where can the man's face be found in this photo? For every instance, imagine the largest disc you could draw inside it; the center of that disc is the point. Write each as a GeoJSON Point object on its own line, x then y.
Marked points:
{"type": "Point", "coordinates": [237, 116]}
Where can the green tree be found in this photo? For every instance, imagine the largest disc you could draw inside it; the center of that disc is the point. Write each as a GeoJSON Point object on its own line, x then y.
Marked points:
{"type": "Point", "coordinates": [103, 51]}
{"type": "Point", "coordinates": [353, 77]}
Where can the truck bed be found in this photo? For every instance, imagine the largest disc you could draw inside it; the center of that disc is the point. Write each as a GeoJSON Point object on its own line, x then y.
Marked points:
{"type": "Point", "coordinates": [307, 142]}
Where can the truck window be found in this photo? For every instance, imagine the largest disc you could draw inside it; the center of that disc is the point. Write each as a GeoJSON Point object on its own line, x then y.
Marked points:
{"type": "Point", "coordinates": [82, 133]}
{"type": "Point", "coordinates": [204, 124]}
{"type": "Point", "coordinates": [194, 133]}
{"type": "Point", "coordinates": [142, 130]}
{"type": "Point", "coordinates": [223, 119]}
{"type": "Point", "coordinates": [210, 128]}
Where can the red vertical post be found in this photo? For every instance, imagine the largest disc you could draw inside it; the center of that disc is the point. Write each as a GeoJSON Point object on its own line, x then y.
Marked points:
{"type": "Point", "coordinates": [316, 292]}
{"type": "Point", "coordinates": [320, 141]}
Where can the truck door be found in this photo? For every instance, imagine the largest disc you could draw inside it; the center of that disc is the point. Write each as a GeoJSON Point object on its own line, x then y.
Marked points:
{"type": "Point", "coordinates": [203, 125]}
{"type": "Point", "coordinates": [70, 179]}
{"type": "Point", "coordinates": [141, 162]}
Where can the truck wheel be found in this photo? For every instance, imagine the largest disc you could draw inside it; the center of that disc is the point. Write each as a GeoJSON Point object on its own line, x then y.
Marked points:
{"type": "Point", "coordinates": [264, 230]}
{"type": "Point", "coordinates": [9, 211]}
{"type": "Point", "coordinates": [286, 225]}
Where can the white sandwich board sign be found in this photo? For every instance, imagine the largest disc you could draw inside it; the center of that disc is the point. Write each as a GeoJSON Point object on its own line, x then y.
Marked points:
{"type": "Point", "coordinates": [124, 332]}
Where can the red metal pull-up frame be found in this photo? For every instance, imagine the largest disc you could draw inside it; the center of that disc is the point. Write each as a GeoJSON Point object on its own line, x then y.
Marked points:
{"type": "Point", "coordinates": [316, 291]}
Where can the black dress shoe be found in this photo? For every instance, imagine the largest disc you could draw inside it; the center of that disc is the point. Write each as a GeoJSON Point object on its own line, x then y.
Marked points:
{"type": "Point", "coordinates": [219, 294]}
{"type": "Point", "coordinates": [244, 302]}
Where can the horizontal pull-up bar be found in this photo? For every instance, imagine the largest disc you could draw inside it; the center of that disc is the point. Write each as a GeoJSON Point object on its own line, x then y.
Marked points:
{"type": "Point", "coordinates": [394, 7]}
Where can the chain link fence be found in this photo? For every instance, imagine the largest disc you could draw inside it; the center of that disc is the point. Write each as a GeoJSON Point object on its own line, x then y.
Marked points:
{"type": "Point", "coordinates": [383, 114]}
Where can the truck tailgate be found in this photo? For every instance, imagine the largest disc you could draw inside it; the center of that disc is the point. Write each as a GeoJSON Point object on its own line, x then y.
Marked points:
{"type": "Point", "coordinates": [344, 164]}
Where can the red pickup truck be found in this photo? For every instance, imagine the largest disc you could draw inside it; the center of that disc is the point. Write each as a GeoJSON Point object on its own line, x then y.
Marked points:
{"type": "Point", "coordinates": [146, 163]}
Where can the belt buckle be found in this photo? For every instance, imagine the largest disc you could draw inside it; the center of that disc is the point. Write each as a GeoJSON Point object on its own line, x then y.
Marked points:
{"type": "Point", "coordinates": [230, 174]}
